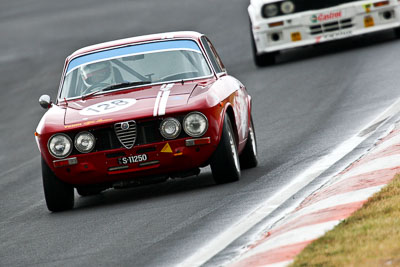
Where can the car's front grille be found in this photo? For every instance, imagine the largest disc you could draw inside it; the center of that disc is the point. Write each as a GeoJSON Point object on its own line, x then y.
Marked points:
{"type": "Point", "coordinates": [331, 26]}
{"type": "Point", "coordinates": [113, 137]}
{"type": "Point", "coordinates": [106, 139]}
{"type": "Point", "coordinates": [126, 133]}
{"type": "Point", "coordinates": [148, 132]}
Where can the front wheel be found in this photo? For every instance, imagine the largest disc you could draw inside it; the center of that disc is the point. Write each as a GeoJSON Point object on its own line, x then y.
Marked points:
{"type": "Point", "coordinates": [225, 164]}
{"type": "Point", "coordinates": [248, 158]}
{"type": "Point", "coordinates": [59, 195]}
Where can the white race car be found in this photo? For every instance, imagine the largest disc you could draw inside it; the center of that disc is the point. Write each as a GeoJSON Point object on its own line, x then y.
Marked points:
{"type": "Point", "coordinates": [278, 25]}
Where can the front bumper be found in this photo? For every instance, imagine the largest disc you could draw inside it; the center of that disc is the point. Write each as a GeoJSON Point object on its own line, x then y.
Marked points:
{"type": "Point", "coordinates": [167, 159]}
{"type": "Point", "coordinates": [312, 27]}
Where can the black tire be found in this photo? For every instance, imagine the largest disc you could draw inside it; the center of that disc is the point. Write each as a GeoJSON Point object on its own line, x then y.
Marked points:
{"type": "Point", "coordinates": [248, 158]}
{"type": "Point", "coordinates": [59, 195]}
{"type": "Point", "coordinates": [225, 165]}
{"type": "Point", "coordinates": [397, 32]}
{"type": "Point", "coordinates": [89, 191]}
{"type": "Point", "coordinates": [264, 59]}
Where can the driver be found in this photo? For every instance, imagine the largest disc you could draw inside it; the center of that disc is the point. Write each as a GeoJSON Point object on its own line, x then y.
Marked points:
{"type": "Point", "coordinates": [97, 74]}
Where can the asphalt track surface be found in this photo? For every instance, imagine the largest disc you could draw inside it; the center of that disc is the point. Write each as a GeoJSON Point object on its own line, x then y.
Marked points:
{"type": "Point", "coordinates": [306, 105]}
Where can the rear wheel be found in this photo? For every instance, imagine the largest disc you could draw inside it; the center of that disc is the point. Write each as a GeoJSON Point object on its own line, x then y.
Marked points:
{"type": "Point", "coordinates": [59, 195]}
{"type": "Point", "coordinates": [225, 164]}
{"type": "Point", "coordinates": [248, 158]}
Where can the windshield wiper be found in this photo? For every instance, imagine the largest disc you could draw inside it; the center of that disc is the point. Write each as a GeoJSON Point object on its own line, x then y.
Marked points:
{"type": "Point", "coordinates": [125, 84]}
{"type": "Point", "coordinates": [115, 86]}
{"type": "Point", "coordinates": [90, 94]}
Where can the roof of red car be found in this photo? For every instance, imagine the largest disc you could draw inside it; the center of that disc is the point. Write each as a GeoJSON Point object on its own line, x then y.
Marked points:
{"type": "Point", "coordinates": [137, 39]}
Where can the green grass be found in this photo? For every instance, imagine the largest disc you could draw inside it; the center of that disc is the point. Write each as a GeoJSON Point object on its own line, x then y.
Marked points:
{"type": "Point", "coordinates": [369, 237]}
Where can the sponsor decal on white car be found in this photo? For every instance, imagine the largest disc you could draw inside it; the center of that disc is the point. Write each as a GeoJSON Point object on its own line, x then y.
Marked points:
{"type": "Point", "coordinates": [323, 17]}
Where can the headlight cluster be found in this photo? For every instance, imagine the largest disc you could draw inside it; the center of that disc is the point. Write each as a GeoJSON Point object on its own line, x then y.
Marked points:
{"type": "Point", "coordinates": [170, 128]}
{"type": "Point", "coordinates": [195, 124]}
{"type": "Point", "coordinates": [84, 142]}
{"type": "Point", "coordinates": [272, 10]}
{"type": "Point", "coordinates": [60, 145]}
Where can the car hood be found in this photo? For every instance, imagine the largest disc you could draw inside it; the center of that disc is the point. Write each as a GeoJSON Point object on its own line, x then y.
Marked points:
{"type": "Point", "coordinates": [128, 104]}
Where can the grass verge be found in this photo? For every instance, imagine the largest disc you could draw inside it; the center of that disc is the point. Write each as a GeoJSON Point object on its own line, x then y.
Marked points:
{"type": "Point", "coordinates": [369, 237]}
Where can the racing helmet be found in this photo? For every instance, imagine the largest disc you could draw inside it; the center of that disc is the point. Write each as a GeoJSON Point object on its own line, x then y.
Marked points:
{"type": "Point", "coordinates": [96, 73]}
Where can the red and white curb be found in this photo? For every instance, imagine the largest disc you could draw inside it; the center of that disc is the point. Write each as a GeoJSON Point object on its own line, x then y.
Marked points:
{"type": "Point", "coordinates": [264, 209]}
{"type": "Point", "coordinates": [325, 208]}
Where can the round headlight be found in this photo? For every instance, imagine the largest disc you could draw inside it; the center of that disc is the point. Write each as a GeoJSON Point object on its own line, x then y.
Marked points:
{"type": "Point", "coordinates": [60, 145]}
{"type": "Point", "coordinates": [84, 142]}
{"type": "Point", "coordinates": [195, 124]}
{"type": "Point", "coordinates": [170, 128]}
{"type": "Point", "coordinates": [270, 10]}
{"type": "Point", "coordinates": [287, 7]}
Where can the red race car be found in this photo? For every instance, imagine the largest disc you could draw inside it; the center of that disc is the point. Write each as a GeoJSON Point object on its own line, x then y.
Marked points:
{"type": "Point", "coordinates": [142, 110]}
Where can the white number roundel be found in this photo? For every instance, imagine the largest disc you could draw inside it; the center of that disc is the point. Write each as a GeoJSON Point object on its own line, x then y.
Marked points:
{"type": "Point", "coordinates": [108, 106]}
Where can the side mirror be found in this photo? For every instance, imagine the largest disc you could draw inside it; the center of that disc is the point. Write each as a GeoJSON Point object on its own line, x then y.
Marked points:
{"type": "Point", "coordinates": [45, 101]}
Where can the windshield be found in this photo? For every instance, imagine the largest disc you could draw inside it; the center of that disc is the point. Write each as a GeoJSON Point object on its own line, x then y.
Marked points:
{"type": "Point", "coordinates": [159, 62]}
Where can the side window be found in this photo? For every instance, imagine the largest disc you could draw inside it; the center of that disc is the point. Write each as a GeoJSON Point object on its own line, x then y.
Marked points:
{"type": "Point", "coordinates": [215, 61]}
{"type": "Point", "coordinates": [221, 65]}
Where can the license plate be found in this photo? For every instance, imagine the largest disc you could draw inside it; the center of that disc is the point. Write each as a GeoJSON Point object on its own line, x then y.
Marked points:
{"type": "Point", "coordinates": [369, 21]}
{"type": "Point", "coordinates": [132, 159]}
{"type": "Point", "coordinates": [296, 36]}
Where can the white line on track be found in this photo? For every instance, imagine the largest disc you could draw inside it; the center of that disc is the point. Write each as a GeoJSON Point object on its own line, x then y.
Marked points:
{"type": "Point", "coordinates": [216, 245]}
{"type": "Point", "coordinates": [335, 200]}
{"type": "Point", "coordinates": [372, 165]}
{"type": "Point", "coordinates": [297, 235]}
{"type": "Point", "coordinates": [29, 208]}
{"type": "Point", "coordinates": [386, 144]}
{"type": "Point", "coordinates": [5, 177]}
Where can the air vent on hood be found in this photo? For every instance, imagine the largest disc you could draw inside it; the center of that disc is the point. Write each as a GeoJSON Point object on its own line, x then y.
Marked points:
{"type": "Point", "coordinates": [126, 133]}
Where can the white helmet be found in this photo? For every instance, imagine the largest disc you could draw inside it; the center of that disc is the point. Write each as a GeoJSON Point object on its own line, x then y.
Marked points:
{"type": "Point", "coordinates": [96, 73]}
